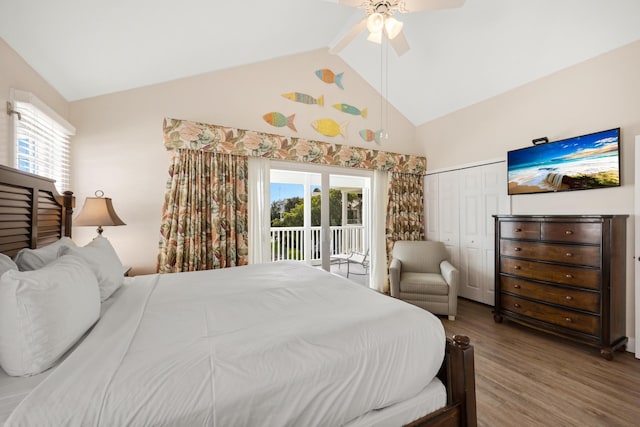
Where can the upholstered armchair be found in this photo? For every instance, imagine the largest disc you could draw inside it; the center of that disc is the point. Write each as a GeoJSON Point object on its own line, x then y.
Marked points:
{"type": "Point", "coordinates": [420, 274]}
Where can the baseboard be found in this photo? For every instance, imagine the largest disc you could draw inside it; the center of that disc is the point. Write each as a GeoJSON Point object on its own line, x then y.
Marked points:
{"type": "Point", "coordinates": [631, 347]}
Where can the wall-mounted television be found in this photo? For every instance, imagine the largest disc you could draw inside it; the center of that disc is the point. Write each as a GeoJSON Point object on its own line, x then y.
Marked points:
{"type": "Point", "coordinates": [579, 163]}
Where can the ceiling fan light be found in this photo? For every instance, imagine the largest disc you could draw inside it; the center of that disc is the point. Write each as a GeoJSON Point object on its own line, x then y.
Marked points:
{"type": "Point", "coordinates": [375, 37]}
{"type": "Point", "coordinates": [375, 22]}
{"type": "Point", "coordinates": [392, 27]}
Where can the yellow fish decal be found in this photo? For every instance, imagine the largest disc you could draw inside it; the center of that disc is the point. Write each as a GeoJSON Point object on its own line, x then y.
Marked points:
{"type": "Point", "coordinates": [304, 98]}
{"type": "Point", "coordinates": [330, 127]}
{"type": "Point", "coordinates": [350, 109]}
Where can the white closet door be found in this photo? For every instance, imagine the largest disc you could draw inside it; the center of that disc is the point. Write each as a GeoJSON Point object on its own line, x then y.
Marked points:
{"type": "Point", "coordinates": [483, 193]}
{"type": "Point", "coordinates": [471, 234]}
{"type": "Point", "coordinates": [432, 226]}
{"type": "Point", "coordinates": [496, 201]}
{"type": "Point", "coordinates": [449, 213]}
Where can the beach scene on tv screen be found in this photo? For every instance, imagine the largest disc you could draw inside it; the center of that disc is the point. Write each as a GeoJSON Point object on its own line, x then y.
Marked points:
{"type": "Point", "coordinates": [589, 161]}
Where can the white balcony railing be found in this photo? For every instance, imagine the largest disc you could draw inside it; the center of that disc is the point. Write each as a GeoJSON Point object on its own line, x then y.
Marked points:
{"type": "Point", "coordinates": [287, 243]}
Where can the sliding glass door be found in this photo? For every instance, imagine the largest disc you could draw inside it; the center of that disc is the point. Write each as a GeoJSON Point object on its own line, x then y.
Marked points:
{"type": "Point", "coordinates": [318, 212]}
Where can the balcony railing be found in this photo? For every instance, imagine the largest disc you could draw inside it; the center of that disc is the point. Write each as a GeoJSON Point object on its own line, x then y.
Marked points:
{"type": "Point", "coordinates": [287, 243]}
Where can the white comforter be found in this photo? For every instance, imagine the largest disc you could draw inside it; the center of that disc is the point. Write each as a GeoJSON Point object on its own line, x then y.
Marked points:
{"type": "Point", "coordinates": [264, 345]}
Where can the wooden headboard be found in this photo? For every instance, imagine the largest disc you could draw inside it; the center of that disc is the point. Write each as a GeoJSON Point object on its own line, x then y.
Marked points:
{"type": "Point", "coordinates": [32, 212]}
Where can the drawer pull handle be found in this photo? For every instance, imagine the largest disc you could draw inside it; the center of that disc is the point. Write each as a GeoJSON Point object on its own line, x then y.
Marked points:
{"type": "Point", "coordinates": [569, 254]}
{"type": "Point", "coordinates": [568, 319]}
{"type": "Point", "coordinates": [517, 249]}
{"type": "Point", "coordinates": [516, 267]}
{"type": "Point", "coordinates": [569, 276]}
{"type": "Point", "coordinates": [568, 232]}
{"type": "Point", "coordinates": [516, 286]}
{"type": "Point", "coordinates": [568, 297]}
{"type": "Point", "coordinates": [518, 230]}
{"type": "Point", "coordinates": [516, 305]}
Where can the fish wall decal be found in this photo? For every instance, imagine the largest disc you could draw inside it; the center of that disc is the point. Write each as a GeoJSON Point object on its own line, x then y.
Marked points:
{"type": "Point", "coordinates": [371, 135]}
{"type": "Point", "coordinates": [330, 127]}
{"type": "Point", "coordinates": [328, 76]}
{"type": "Point", "coordinates": [304, 98]}
{"type": "Point", "coordinates": [350, 109]}
{"type": "Point", "coordinates": [279, 120]}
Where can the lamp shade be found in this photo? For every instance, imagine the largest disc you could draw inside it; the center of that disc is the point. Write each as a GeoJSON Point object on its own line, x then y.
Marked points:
{"type": "Point", "coordinates": [98, 211]}
{"type": "Point", "coordinates": [375, 22]}
{"type": "Point", "coordinates": [392, 27]}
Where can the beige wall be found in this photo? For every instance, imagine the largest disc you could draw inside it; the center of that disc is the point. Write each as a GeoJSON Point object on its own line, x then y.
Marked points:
{"type": "Point", "coordinates": [119, 148]}
{"type": "Point", "coordinates": [598, 94]}
{"type": "Point", "coordinates": [15, 73]}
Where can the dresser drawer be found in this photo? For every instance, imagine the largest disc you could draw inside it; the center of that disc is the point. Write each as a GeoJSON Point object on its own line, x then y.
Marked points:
{"type": "Point", "coordinates": [569, 254]}
{"type": "Point", "coordinates": [578, 232]}
{"type": "Point", "coordinates": [555, 315]}
{"type": "Point", "coordinates": [574, 276]}
{"type": "Point", "coordinates": [572, 298]}
{"type": "Point", "coordinates": [520, 230]}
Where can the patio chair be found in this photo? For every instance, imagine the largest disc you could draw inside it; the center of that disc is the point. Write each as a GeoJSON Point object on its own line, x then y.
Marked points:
{"type": "Point", "coordinates": [352, 258]}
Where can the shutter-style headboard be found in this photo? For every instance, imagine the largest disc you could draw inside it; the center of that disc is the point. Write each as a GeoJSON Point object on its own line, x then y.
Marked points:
{"type": "Point", "coordinates": [32, 212]}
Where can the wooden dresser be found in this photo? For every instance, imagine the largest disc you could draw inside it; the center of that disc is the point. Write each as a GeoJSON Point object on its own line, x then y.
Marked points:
{"type": "Point", "coordinates": [564, 275]}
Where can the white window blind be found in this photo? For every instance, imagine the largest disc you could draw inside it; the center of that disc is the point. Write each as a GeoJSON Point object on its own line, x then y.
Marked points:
{"type": "Point", "coordinates": [41, 136]}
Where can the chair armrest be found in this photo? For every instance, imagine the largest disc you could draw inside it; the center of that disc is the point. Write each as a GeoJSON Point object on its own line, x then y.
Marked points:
{"type": "Point", "coordinates": [394, 276]}
{"type": "Point", "coordinates": [450, 274]}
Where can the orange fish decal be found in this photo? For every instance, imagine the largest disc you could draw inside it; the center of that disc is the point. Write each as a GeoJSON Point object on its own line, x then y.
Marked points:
{"type": "Point", "coordinates": [329, 76]}
{"type": "Point", "coordinates": [279, 120]}
{"type": "Point", "coordinates": [370, 135]}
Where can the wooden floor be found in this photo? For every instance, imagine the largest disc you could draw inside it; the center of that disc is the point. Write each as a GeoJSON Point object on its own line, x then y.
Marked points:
{"type": "Point", "coordinates": [528, 378]}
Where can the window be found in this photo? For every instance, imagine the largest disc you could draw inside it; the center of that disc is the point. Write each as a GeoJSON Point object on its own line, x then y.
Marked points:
{"type": "Point", "coordinates": [41, 139]}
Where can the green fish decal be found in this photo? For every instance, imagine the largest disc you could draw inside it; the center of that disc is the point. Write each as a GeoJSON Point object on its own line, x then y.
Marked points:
{"type": "Point", "coordinates": [350, 109]}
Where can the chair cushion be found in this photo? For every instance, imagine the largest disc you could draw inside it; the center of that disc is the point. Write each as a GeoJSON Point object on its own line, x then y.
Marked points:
{"type": "Point", "coordinates": [422, 256]}
{"type": "Point", "coordinates": [423, 283]}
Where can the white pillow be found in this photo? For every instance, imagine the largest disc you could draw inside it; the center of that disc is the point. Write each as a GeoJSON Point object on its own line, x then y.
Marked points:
{"type": "Point", "coordinates": [33, 259]}
{"type": "Point", "coordinates": [104, 262]}
{"type": "Point", "coordinates": [6, 263]}
{"type": "Point", "coordinates": [44, 312]}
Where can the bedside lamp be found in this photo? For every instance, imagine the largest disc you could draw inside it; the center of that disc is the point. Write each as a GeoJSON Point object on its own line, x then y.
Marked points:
{"type": "Point", "coordinates": [98, 211]}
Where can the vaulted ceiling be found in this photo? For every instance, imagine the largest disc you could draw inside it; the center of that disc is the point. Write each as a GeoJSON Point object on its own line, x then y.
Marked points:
{"type": "Point", "coordinates": [457, 57]}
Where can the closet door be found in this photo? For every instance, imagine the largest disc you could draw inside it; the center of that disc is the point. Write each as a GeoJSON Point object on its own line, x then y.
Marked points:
{"type": "Point", "coordinates": [449, 213]}
{"type": "Point", "coordinates": [496, 202]}
{"type": "Point", "coordinates": [483, 193]}
{"type": "Point", "coordinates": [432, 219]}
{"type": "Point", "coordinates": [471, 234]}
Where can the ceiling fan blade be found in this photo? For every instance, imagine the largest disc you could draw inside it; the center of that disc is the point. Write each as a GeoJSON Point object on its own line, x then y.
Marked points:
{"type": "Point", "coordinates": [399, 44]}
{"type": "Point", "coordinates": [352, 3]}
{"type": "Point", "coordinates": [348, 38]}
{"type": "Point", "coordinates": [422, 5]}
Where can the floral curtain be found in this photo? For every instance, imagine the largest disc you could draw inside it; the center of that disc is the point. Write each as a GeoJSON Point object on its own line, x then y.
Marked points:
{"type": "Point", "coordinates": [405, 212]}
{"type": "Point", "coordinates": [207, 137]}
{"type": "Point", "coordinates": [204, 216]}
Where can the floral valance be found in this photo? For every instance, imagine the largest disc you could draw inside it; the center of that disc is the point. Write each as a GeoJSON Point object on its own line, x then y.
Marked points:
{"type": "Point", "coordinates": [207, 137]}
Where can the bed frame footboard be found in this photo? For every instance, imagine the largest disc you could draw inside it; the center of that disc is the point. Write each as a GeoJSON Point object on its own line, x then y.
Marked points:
{"type": "Point", "coordinates": [458, 375]}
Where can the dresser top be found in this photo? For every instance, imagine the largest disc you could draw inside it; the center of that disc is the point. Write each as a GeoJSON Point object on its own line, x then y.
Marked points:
{"type": "Point", "coordinates": [559, 217]}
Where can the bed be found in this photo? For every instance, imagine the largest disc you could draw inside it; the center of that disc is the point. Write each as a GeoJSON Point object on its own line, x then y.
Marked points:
{"type": "Point", "coordinates": [265, 346]}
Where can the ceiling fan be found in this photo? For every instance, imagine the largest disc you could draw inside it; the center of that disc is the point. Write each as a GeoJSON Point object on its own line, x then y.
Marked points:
{"type": "Point", "coordinates": [380, 21]}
